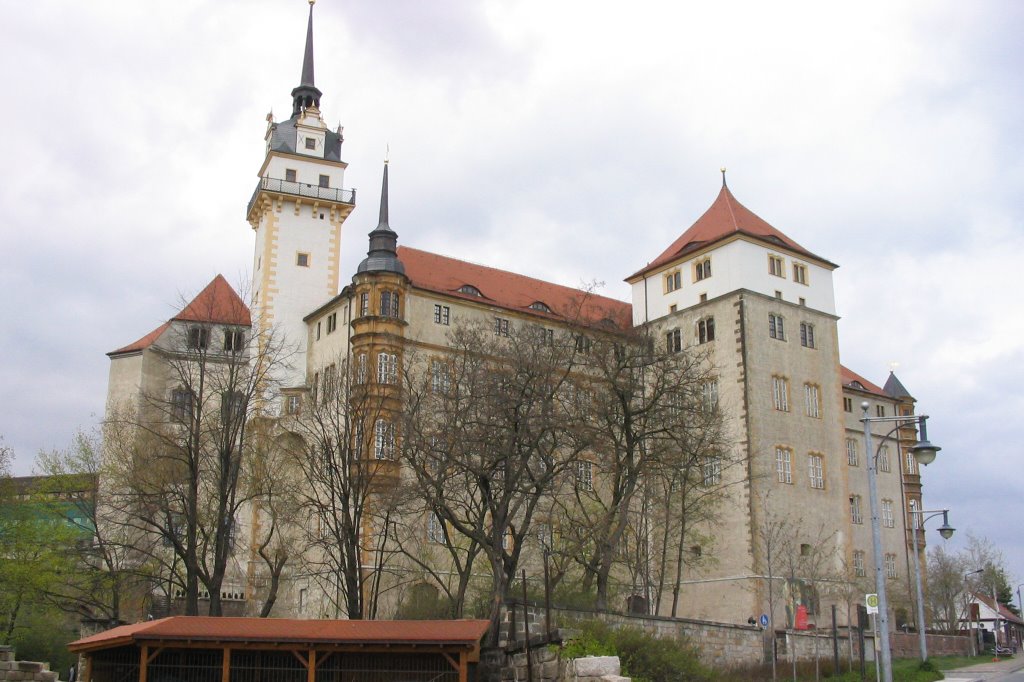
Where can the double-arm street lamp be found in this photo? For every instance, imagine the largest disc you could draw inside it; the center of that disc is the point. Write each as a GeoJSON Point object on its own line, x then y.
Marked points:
{"type": "Point", "coordinates": [924, 452]}
{"type": "Point", "coordinates": [919, 516]}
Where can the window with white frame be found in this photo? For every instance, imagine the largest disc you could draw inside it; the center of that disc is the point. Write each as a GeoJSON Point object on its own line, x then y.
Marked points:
{"type": "Point", "coordinates": [883, 459]}
{"type": "Point", "coordinates": [816, 471]}
{"type": "Point", "coordinates": [780, 393]}
{"type": "Point", "coordinates": [776, 266]}
{"type": "Point", "coordinates": [435, 528]}
{"type": "Point", "coordinates": [501, 326]}
{"type": "Point", "coordinates": [364, 304]}
{"type": "Point", "coordinates": [807, 335]}
{"type": "Point", "coordinates": [888, 520]}
{"type": "Point", "coordinates": [383, 439]}
{"type": "Point", "coordinates": [812, 400]}
{"type": "Point", "coordinates": [858, 563]}
{"type": "Point", "coordinates": [358, 439]}
{"type": "Point", "coordinates": [784, 465]}
{"type": "Point", "coordinates": [440, 377]}
{"type": "Point", "coordinates": [544, 535]}
{"type": "Point", "coordinates": [855, 514]}
{"type": "Point", "coordinates": [387, 368]}
{"type": "Point", "coordinates": [360, 368]}
{"type": "Point", "coordinates": [712, 471]}
{"type": "Point", "coordinates": [389, 304]}
{"type": "Point", "coordinates": [890, 566]}
{"type": "Point", "coordinates": [673, 341]}
{"type": "Point", "coordinates": [709, 395]}
{"type": "Point", "coordinates": [584, 475]}
{"type": "Point", "coordinates": [851, 453]}
{"type": "Point", "coordinates": [911, 463]}
{"type": "Point", "coordinates": [706, 330]}
{"type": "Point", "coordinates": [292, 404]}
{"type": "Point", "coordinates": [442, 314]}
{"type": "Point", "coordinates": [776, 327]}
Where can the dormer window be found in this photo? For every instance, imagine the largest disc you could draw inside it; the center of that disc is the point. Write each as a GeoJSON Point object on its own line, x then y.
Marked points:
{"type": "Point", "coordinates": [310, 143]}
{"type": "Point", "coordinates": [541, 306]}
{"type": "Point", "coordinates": [470, 290]}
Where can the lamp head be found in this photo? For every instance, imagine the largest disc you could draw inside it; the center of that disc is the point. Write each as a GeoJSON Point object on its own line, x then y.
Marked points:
{"type": "Point", "coordinates": [924, 452]}
{"type": "Point", "coordinates": [946, 531]}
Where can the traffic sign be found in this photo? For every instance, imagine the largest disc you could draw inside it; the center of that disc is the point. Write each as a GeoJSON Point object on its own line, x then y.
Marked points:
{"type": "Point", "coordinates": [871, 601]}
{"type": "Point", "coordinates": [763, 620]}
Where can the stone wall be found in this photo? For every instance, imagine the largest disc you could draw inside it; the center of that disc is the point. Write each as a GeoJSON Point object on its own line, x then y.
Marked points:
{"type": "Point", "coordinates": [23, 671]}
{"type": "Point", "coordinates": [907, 645]}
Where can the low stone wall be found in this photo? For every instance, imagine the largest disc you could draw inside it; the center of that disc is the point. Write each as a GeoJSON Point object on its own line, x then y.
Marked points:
{"type": "Point", "coordinates": [905, 645]}
{"type": "Point", "coordinates": [23, 671]}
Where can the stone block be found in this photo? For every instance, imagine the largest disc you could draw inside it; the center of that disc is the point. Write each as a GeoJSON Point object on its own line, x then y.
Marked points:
{"type": "Point", "coordinates": [615, 678]}
{"type": "Point", "coordinates": [595, 666]}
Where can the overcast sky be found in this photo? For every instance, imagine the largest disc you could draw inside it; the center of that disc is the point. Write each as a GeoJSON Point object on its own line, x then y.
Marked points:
{"type": "Point", "coordinates": [570, 141]}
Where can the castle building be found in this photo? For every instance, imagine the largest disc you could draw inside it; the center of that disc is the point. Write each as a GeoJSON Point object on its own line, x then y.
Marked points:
{"type": "Point", "coordinates": [760, 305]}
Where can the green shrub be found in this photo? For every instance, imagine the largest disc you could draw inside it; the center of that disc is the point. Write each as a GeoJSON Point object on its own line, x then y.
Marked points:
{"type": "Point", "coordinates": [644, 657]}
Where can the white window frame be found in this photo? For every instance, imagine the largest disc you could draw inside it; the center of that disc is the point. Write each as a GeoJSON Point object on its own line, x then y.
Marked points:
{"type": "Point", "coordinates": [852, 456]}
{"type": "Point", "coordinates": [856, 516]}
{"type": "Point", "coordinates": [383, 439]}
{"type": "Point", "coordinates": [888, 519]}
{"type": "Point", "coordinates": [585, 475]}
{"type": "Point", "coordinates": [784, 465]}
{"type": "Point", "coordinates": [816, 470]}
{"type": "Point", "coordinates": [780, 393]}
{"type": "Point", "coordinates": [812, 400]}
{"type": "Point", "coordinates": [776, 327]}
{"type": "Point", "coordinates": [387, 368]}
{"type": "Point", "coordinates": [442, 314]}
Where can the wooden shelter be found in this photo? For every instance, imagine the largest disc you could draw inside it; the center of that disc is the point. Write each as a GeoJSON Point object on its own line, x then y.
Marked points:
{"type": "Point", "coordinates": [206, 649]}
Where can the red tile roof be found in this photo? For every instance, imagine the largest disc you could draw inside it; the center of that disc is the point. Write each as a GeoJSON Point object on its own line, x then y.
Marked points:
{"type": "Point", "coordinates": [216, 304]}
{"type": "Point", "coordinates": [441, 274]}
{"type": "Point", "coordinates": [280, 630]}
{"type": "Point", "coordinates": [849, 376]}
{"type": "Point", "coordinates": [725, 217]}
{"type": "Point", "coordinates": [1004, 613]}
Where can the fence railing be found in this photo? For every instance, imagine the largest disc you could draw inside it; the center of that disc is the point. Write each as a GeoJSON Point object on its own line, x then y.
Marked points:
{"type": "Point", "coordinates": [302, 189]}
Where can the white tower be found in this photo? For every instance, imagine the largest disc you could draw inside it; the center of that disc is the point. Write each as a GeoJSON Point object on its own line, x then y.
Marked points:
{"type": "Point", "coordinates": [297, 211]}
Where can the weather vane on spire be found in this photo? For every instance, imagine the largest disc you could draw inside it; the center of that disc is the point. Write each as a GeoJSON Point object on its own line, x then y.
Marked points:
{"type": "Point", "coordinates": [387, 153]}
{"type": "Point", "coordinates": [723, 176]}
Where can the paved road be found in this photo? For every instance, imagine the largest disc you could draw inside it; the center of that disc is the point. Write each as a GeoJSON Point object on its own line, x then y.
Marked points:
{"type": "Point", "coordinates": [1008, 670]}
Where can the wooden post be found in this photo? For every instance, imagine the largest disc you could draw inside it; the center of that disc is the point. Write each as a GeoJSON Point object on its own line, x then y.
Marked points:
{"type": "Point", "coordinates": [311, 667]}
{"type": "Point", "coordinates": [88, 668]}
{"type": "Point", "coordinates": [225, 666]}
{"type": "Point", "coordinates": [143, 662]}
{"type": "Point", "coordinates": [463, 667]}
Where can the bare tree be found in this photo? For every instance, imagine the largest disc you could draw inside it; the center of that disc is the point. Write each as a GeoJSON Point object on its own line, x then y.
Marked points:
{"type": "Point", "coordinates": [945, 597]}
{"type": "Point", "coordinates": [176, 459]}
{"type": "Point", "coordinates": [485, 438]}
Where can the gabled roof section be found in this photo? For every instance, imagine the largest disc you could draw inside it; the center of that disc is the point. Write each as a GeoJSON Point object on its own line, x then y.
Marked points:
{"type": "Point", "coordinates": [851, 380]}
{"type": "Point", "coordinates": [216, 304]}
{"type": "Point", "coordinates": [444, 275]}
{"type": "Point", "coordinates": [725, 218]}
{"type": "Point", "coordinates": [281, 630]}
{"type": "Point", "coordinates": [895, 388]}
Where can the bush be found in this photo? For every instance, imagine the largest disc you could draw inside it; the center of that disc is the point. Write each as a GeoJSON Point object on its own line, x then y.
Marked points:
{"type": "Point", "coordinates": [644, 657]}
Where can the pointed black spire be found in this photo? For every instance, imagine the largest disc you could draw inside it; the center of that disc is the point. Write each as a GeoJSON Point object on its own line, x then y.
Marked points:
{"type": "Point", "coordinates": [306, 95]}
{"type": "Point", "coordinates": [895, 387]}
{"type": "Point", "coordinates": [383, 253]}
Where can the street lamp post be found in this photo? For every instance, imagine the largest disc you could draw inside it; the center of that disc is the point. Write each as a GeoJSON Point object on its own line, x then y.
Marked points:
{"type": "Point", "coordinates": [970, 615]}
{"type": "Point", "coordinates": [924, 452]}
{"type": "Point", "coordinates": [946, 531]}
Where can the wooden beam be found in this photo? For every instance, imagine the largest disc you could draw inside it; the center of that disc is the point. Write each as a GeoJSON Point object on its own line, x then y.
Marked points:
{"type": "Point", "coordinates": [302, 659]}
{"type": "Point", "coordinates": [311, 668]}
{"type": "Point", "coordinates": [320, 660]}
{"type": "Point", "coordinates": [88, 668]}
{"type": "Point", "coordinates": [225, 666]}
{"type": "Point", "coordinates": [143, 662]}
{"type": "Point", "coordinates": [455, 664]}
{"type": "Point", "coordinates": [464, 667]}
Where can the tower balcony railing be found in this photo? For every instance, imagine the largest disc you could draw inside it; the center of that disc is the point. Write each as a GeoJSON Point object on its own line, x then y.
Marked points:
{"type": "Point", "coordinates": [302, 189]}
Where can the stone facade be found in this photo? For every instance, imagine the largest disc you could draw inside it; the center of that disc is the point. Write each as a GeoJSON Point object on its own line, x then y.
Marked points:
{"type": "Point", "coordinates": [23, 671]}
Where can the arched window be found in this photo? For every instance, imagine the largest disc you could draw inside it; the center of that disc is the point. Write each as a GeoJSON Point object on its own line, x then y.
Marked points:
{"type": "Point", "coordinates": [470, 290]}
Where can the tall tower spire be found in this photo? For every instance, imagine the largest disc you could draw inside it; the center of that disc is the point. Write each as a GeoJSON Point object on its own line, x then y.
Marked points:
{"type": "Point", "coordinates": [307, 94]}
{"type": "Point", "coordinates": [383, 253]}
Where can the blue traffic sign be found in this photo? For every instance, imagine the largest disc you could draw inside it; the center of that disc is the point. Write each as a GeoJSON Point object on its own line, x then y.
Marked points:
{"type": "Point", "coordinates": [763, 620]}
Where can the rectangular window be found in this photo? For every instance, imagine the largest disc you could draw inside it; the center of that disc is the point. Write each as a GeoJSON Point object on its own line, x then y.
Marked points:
{"type": "Point", "coordinates": [325, 180]}
{"type": "Point", "coordinates": [847, 404]}
{"type": "Point", "coordinates": [812, 401]}
{"type": "Point", "coordinates": [181, 404]}
{"type": "Point", "coordinates": [317, 331]}
{"type": "Point", "coordinates": [706, 330]}
{"type": "Point", "coordinates": [776, 327]}
{"type": "Point", "coordinates": [361, 368]}
{"type": "Point", "coordinates": [888, 520]}
{"type": "Point", "coordinates": [855, 515]}
{"type": "Point", "coordinates": [776, 266]}
{"type": "Point", "coordinates": [816, 471]}
{"type": "Point", "coordinates": [673, 341]}
{"type": "Point", "coordinates": [911, 463]}
{"type": "Point", "coordinates": [290, 175]}
{"type": "Point", "coordinates": [232, 406]}
{"type": "Point", "coordinates": [780, 393]}
{"type": "Point", "coordinates": [806, 335]}
{"type": "Point", "coordinates": [384, 439]}
{"type": "Point", "coordinates": [198, 338]}
{"type": "Point", "coordinates": [702, 269]}
{"type": "Point", "coordinates": [879, 410]}
{"type": "Point", "coordinates": [858, 563]}
{"type": "Point", "coordinates": [712, 471]}
{"type": "Point", "coordinates": [292, 404]}
{"type": "Point", "coordinates": [389, 304]}
{"type": "Point", "coordinates": [890, 566]}
{"type": "Point", "coordinates": [583, 344]}
{"type": "Point", "coordinates": [332, 322]}
{"type": "Point", "coordinates": [673, 281]}
{"type": "Point", "coordinates": [585, 475]}
{"type": "Point", "coordinates": [302, 260]}
{"type": "Point", "coordinates": [709, 395]}
{"type": "Point", "coordinates": [442, 314]}
{"type": "Point", "coordinates": [784, 465]}
{"type": "Point", "coordinates": [310, 143]}
{"type": "Point", "coordinates": [387, 368]}
{"type": "Point", "coordinates": [883, 459]}
{"type": "Point", "coordinates": [501, 326]}
{"type": "Point", "coordinates": [440, 377]}
{"type": "Point", "coordinates": [234, 340]}
{"type": "Point", "coordinates": [364, 304]}
{"type": "Point", "coordinates": [851, 453]}
{"type": "Point", "coordinates": [303, 599]}
{"type": "Point", "coordinates": [435, 528]}
{"type": "Point", "coordinates": [799, 273]}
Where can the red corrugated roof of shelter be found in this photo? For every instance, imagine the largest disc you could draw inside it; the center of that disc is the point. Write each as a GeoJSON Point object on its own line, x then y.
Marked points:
{"type": "Point", "coordinates": [277, 630]}
{"type": "Point", "coordinates": [849, 376]}
{"type": "Point", "coordinates": [505, 289]}
{"type": "Point", "coordinates": [216, 304]}
{"type": "Point", "coordinates": [724, 218]}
